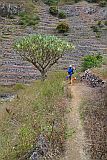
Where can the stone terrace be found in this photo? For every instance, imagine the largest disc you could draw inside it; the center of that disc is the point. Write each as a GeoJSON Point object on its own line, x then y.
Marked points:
{"type": "Point", "coordinates": [80, 17]}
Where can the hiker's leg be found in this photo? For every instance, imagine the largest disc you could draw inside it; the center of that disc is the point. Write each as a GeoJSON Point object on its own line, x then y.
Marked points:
{"type": "Point", "coordinates": [70, 79]}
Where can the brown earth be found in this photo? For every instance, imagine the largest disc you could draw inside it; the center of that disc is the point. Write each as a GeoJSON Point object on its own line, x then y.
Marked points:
{"type": "Point", "coordinates": [87, 117]}
{"type": "Point", "coordinates": [76, 144]}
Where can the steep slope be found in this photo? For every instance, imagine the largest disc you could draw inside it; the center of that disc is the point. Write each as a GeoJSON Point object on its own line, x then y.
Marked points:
{"type": "Point", "coordinates": [81, 35]}
{"type": "Point", "coordinates": [80, 17]}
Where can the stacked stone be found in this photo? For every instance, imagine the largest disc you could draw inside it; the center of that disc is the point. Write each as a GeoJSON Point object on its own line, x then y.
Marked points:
{"type": "Point", "coordinates": [8, 9]}
{"type": "Point", "coordinates": [80, 18]}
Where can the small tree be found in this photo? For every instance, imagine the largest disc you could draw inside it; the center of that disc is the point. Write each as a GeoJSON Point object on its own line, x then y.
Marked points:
{"type": "Point", "coordinates": [42, 51]}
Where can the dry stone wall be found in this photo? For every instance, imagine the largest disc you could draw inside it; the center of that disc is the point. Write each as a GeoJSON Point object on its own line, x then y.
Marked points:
{"type": "Point", "coordinates": [9, 9]}
{"type": "Point", "coordinates": [80, 17]}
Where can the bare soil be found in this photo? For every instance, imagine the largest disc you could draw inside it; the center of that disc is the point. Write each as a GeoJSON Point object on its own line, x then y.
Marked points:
{"type": "Point", "coordinates": [76, 144]}
{"type": "Point", "coordinates": [88, 118]}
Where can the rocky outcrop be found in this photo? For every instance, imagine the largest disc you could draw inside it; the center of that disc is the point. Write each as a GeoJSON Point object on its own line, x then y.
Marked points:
{"type": "Point", "coordinates": [41, 148]}
{"type": "Point", "coordinates": [7, 10]}
{"type": "Point", "coordinates": [6, 96]}
{"type": "Point", "coordinates": [92, 80]}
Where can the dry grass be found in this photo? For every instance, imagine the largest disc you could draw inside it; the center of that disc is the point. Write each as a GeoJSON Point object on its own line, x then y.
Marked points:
{"type": "Point", "coordinates": [33, 111]}
{"type": "Point", "coordinates": [93, 112]}
{"type": "Point", "coordinates": [61, 2]}
{"type": "Point", "coordinates": [102, 70]}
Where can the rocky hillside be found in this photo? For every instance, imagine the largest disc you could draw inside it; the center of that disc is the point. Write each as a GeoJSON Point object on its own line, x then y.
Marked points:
{"type": "Point", "coordinates": [80, 17]}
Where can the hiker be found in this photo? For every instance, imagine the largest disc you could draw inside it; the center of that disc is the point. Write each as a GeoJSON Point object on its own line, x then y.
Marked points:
{"type": "Point", "coordinates": [70, 72]}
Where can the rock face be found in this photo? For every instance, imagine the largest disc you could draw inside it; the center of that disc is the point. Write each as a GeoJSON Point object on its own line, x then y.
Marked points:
{"type": "Point", "coordinates": [9, 9]}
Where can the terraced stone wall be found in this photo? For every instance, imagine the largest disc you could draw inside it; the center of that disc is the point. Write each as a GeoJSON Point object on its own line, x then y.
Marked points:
{"type": "Point", "coordinates": [80, 17]}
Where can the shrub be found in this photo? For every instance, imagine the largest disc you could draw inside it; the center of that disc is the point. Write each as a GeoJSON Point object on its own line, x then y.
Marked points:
{"type": "Point", "coordinates": [19, 86]}
{"type": "Point", "coordinates": [98, 35]}
{"type": "Point", "coordinates": [28, 20]}
{"type": "Point", "coordinates": [105, 23]}
{"type": "Point", "coordinates": [102, 3]}
{"type": "Point", "coordinates": [99, 23]}
{"type": "Point", "coordinates": [91, 61]}
{"type": "Point", "coordinates": [95, 28]}
{"type": "Point", "coordinates": [76, 1]}
{"type": "Point", "coordinates": [51, 2]}
{"type": "Point", "coordinates": [53, 10]}
{"type": "Point", "coordinates": [62, 27]}
{"type": "Point", "coordinates": [105, 60]}
{"type": "Point", "coordinates": [62, 14]}
{"type": "Point", "coordinates": [91, 1]}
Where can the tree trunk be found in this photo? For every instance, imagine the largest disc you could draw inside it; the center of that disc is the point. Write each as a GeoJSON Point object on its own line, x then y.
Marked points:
{"type": "Point", "coordinates": [43, 75]}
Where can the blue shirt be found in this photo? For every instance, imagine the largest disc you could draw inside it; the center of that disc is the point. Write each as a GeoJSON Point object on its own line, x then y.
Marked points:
{"type": "Point", "coordinates": [70, 71]}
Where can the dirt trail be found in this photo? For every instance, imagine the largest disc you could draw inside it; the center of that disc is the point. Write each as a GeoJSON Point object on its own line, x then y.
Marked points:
{"type": "Point", "coordinates": [75, 144]}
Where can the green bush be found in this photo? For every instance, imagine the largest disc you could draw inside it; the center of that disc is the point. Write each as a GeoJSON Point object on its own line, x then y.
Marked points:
{"type": "Point", "coordinates": [51, 2]}
{"type": "Point", "coordinates": [28, 20]}
{"type": "Point", "coordinates": [98, 35]}
{"type": "Point", "coordinates": [91, 1]}
{"type": "Point", "coordinates": [95, 28]}
{"type": "Point", "coordinates": [62, 14]}
{"type": "Point", "coordinates": [76, 1]}
{"type": "Point", "coordinates": [105, 23]}
{"type": "Point", "coordinates": [19, 86]}
{"type": "Point", "coordinates": [62, 27]}
{"type": "Point", "coordinates": [99, 23]}
{"type": "Point", "coordinates": [53, 10]}
{"type": "Point", "coordinates": [11, 16]}
{"type": "Point", "coordinates": [102, 3]}
{"type": "Point", "coordinates": [91, 61]}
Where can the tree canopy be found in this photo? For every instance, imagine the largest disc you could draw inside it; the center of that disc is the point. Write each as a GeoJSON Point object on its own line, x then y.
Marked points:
{"type": "Point", "coordinates": [42, 50]}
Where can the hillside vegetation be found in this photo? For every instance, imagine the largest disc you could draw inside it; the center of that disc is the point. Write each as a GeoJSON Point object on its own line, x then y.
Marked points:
{"type": "Point", "coordinates": [37, 109]}
{"type": "Point", "coordinates": [93, 111]}
{"type": "Point", "coordinates": [34, 115]}
{"type": "Point", "coordinates": [76, 28]}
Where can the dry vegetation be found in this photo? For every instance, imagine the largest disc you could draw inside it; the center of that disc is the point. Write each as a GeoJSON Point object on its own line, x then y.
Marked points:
{"type": "Point", "coordinates": [40, 105]}
{"type": "Point", "coordinates": [94, 115]}
{"type": "Point", "coordinates": [35, 109]}
{"type": "Point", "coordinates": [93, 112]}
{"type": "Point", "coordinates": [102, 71]}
